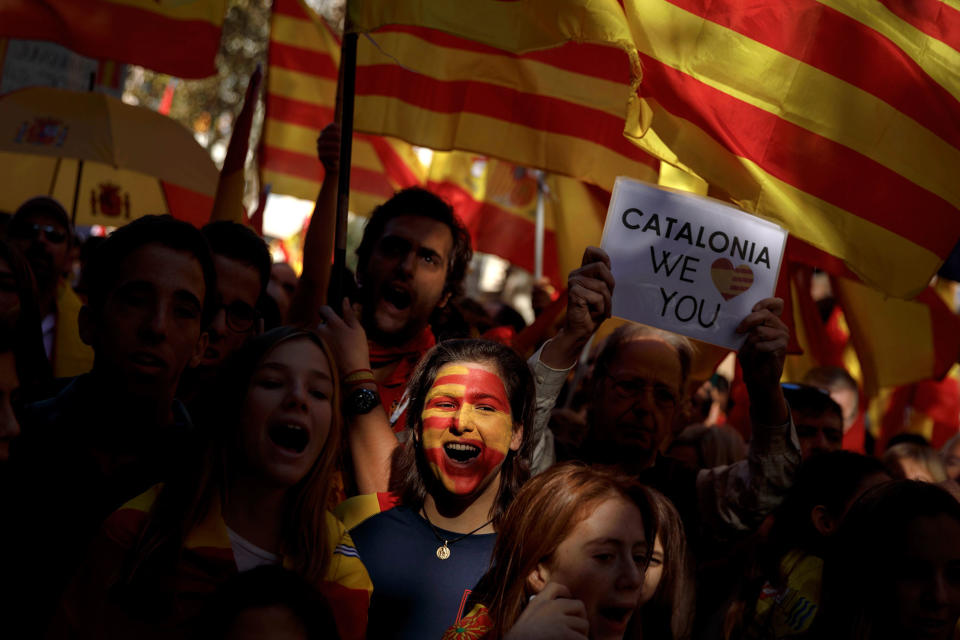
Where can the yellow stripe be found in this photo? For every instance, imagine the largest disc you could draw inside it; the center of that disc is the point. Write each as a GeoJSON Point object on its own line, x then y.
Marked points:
{"type": "Point", "coordinates": [866, 247]}
{"type": "Point", "coordinates": [800, 94]}
{"type": "Point", "coordinates": [529, 76]}
{"type": "Point", "coordinates": [511, 26]}
{"type": "Point", "coordinates": [291, 137]}
{"type": "Point", "coordinates": [286, 184]}
{"type": "Point", "coordinates": [361, 203]}
{"type": "Point", "coordinates": [938, 59]}
{"type": "Point", "coordinates": [304, 87]}
{"type": "Point", "coordinates": [893, 338]}
{"type": "Point", "coordinates": [303, 34]}
{"type": "Point", "coordinates": [877, 255]}
{"type": "Point", "coordinates": [211, 11]}
{"type": "Point", "coordinates": [365, 156]}
{"type": "Point", "coordinates": [481, 134]}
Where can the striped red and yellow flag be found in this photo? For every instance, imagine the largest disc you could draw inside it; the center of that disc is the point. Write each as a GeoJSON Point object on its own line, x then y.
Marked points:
{"type": "Point", "coordinates": [839, 119]}
{"type": "Point", "coordinates": [303, 58]}
{"type": "Point", "coordinates": [497, 202]}
{"type": "Point", "coordinates": [178, 37]}
{"type": "Point", "coordinates": [539, 83]}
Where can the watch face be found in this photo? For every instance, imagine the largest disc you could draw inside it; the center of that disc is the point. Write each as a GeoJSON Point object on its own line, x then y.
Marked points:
{"type": "Point", "coordinates": [361, 401]}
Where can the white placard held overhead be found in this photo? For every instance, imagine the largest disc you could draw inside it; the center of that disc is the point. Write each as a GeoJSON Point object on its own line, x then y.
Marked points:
{"type": "Point", "coordinates": [686, 263]}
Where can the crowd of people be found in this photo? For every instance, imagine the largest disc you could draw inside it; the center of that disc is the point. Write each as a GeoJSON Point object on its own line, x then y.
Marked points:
{"type": "Point", "coordinates": [197, 442]}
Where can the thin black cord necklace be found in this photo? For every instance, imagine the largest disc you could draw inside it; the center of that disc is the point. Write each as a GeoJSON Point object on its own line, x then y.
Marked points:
{"type": "Point", "coordinates": [443, 551]}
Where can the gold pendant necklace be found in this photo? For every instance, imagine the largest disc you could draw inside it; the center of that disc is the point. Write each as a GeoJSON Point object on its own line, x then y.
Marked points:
{"type": "Point", "coordinates": [443, 551]}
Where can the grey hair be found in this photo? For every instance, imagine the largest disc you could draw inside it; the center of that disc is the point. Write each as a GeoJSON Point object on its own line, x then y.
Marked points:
{"type": "Point", "coordinates": [632, 332]}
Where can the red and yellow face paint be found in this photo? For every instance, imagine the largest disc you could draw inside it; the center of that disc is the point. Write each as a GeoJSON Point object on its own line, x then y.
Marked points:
{"type": "Point", "coordinates": [467, 427]}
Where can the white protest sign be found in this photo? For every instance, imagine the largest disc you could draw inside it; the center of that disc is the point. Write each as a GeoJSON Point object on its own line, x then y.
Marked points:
{"type": "Point", "coordinates": [686, 263]}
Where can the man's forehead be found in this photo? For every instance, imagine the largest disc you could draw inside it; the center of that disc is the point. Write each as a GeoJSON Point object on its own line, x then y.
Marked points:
{"type": "Point", "coordinates": [644, 354]}
{"type": "Point", "coordinates": [162, 265]}
{"type": "Point", "coordinates": [825, 420]}
{"type": "Point", "coordinates": [422, 231]}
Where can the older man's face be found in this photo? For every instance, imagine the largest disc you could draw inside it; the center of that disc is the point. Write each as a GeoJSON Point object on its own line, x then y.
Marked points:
{"type": "Point", "coordinates": [633, 409]}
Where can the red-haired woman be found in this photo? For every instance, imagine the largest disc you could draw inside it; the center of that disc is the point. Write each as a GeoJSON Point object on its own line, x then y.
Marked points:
{"type": "Point", "coordinates": [574, 559]}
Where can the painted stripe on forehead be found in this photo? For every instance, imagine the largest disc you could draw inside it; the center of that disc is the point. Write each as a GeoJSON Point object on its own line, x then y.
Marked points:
{"type": "Point", "coordinates": [480, 378]}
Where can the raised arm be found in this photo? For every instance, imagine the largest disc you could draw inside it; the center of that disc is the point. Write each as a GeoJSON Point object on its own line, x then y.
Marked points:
{"type": "Point", "coordinates": [311, 291]}
{"type": "Point", "coordinates": [740, 495]}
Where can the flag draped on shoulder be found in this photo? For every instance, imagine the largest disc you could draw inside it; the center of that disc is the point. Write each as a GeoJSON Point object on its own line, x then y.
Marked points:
{"type": "Point", "coordinates": [177, 37]}
{"type": "Point", "coordinates": [839, 119]}
{"type": "Point", "coordinates": [540, 83]}
{"type": "Point", "coordinates": [303, 63]}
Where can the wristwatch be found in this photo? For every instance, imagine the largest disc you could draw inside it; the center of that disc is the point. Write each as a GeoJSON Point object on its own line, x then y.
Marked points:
{"type": "Point", "coordinates": [360, 401]}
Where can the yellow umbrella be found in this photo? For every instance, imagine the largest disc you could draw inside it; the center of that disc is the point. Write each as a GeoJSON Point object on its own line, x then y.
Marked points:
{"type": "Point", "coordinates": [106, 161]}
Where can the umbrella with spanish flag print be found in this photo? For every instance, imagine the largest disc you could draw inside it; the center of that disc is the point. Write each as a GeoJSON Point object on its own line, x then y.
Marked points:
{"type": "Point", "coordinates": [106, 161]}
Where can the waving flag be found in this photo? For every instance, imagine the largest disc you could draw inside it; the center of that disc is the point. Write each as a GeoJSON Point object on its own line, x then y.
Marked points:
{"type": "Point", "coordinates": [839, 119]}
{"type": "Point", "coordinates": [539, 83]}
{"type": "Point", "coordinates": [304, 57]}
{"type": "Point", "coordinates": [178, 37]}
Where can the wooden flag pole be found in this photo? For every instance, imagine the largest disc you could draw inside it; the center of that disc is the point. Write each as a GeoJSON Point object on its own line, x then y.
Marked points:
{"type": "Point", "coordinates": [345, 91]}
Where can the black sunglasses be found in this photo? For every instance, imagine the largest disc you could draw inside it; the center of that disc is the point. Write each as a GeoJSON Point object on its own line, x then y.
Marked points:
{"type": "Point", "coordinates": [33, 231]}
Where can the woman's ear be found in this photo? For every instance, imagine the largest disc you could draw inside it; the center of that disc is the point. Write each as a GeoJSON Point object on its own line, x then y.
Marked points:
{"type": "Point", "coordinates": [823, 522]}
{"type": "Point", "coordinates": [517, 438]}
{"type": "Point", "coordinates": [538, 578]}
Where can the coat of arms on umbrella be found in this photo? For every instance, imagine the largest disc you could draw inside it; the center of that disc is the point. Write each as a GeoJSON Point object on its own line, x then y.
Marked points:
{"type": "Point", "coordinates": [110, 202]}
{"type": "Point", "coordinates": [43, 131]}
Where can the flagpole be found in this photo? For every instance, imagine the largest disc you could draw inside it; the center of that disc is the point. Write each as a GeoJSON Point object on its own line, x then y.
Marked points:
{"type": "Point", "coordinates": [345, 92]}
{"type": "Point", "coordinates": [538, 239]}
{"type": "Point", "coordinates": [76, 189]}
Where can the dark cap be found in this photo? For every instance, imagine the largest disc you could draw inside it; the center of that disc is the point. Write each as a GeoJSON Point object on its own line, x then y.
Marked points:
{"type": "Point", "coordinates": [41, 205]}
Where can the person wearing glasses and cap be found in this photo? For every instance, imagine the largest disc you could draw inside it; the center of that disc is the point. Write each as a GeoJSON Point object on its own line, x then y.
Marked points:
{"type": "Point", "coordinates": [40, 229]}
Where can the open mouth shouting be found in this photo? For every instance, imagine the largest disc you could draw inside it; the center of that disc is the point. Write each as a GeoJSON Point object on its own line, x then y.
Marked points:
{"type": "Point", "coordinates": [612, 621]}
{"type": "Point", "coordinates": [397, 296]}
{"type": "Point", "coordinates": [291, 438]}
{"type": "Point", "coordinates": [462, 452]}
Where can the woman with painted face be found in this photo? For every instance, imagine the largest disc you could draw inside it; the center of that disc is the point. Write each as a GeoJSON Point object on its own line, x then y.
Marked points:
{"type": "Point", "coordinates": [453, 480]}
{"type": "Point", "coordinates": [574, 559]}
{"type": "Point", "coordinates": [256, 496]}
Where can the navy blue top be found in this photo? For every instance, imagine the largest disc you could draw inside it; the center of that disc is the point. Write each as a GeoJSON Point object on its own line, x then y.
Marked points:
{"type": "Point", "coordinates": [415, 594]}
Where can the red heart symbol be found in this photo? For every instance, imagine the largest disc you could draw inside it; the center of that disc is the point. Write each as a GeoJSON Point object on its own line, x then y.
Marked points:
{"type": "Point", "coordinates": [730, 282]}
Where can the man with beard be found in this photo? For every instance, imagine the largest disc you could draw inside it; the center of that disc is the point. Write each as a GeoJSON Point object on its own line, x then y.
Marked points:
{"type": "Point", "coordinates": [40, 228]}
{"type": "Point", "coordinates": [637, 385]}
{"type": "Point", "coordinates": [411, 261]}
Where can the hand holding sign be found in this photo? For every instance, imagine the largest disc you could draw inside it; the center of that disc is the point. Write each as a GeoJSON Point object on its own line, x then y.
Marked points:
{"type": "Point", "coordinates": [761, 357]}
{"type": "Point", "coordinates": [589, 296]}
{"type": "Point", "coordinates": [688, 264]}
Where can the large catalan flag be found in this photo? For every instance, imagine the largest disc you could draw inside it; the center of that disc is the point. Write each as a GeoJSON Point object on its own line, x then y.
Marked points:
{"type": "Point", "coordinates": [539, 83]}
{"type": "Point", "coordinates": [303, 58]}
{"type": "Point", "coordinates": [178, 37]}
{"type": "Point", "coordinates": [839, 119]}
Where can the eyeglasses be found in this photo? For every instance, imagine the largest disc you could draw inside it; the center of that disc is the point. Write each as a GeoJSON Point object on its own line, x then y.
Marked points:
{"type": "Point", "coordinates": [632, 388]}
{"type": "Point", "coordinates": [240, 316]}
{"type": "Point", "coordinates": [33, 231]}
{"type": "Point", "coordinates": [803, 389]}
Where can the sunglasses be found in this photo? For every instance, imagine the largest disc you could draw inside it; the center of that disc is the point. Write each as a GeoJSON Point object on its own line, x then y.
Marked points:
{"type": "Point", "coordinates": [33, 231]}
